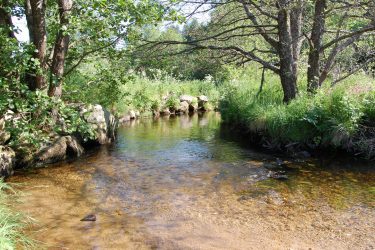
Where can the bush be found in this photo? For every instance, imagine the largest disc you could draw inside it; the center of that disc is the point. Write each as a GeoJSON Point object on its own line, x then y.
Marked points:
{"type": "Point", "coordinates": [31, 121]}
{"type": "Point", "coordinates": [331, 118]}
{"type": "Point", "coordinates": [172, 103]}
{"type": "Point", "coordinates": [36, 116]}
{"type": "Point", "coordinates": [369, 108]}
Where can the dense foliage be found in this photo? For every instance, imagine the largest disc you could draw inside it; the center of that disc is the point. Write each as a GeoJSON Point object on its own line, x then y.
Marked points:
{"type": "Point", "coordinates": [338, 117]}
{"type": "Point", "coordinates": [30, 119]}
{"type": "Point", "coordinates": [121, 90]}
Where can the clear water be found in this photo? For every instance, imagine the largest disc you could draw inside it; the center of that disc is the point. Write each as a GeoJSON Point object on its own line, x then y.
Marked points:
{"type": "Point", "coordinates": [187, 183]}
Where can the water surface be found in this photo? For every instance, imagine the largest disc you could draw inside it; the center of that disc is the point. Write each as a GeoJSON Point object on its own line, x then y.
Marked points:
{"type": "Point", "coordinates": [187, 183]}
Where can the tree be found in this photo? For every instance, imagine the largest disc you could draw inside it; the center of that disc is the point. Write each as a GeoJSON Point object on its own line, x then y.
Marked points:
{"type": "Point", "coordinates": [273, 34]}
{"type": "Point", "coordinates": [82, 28]}
{"type": "Point", "coordinates": [194, 65]}
{"type": "Point", "coordinates": [60, 50]}
{"type": "Point", "coordinates": [355, 18]}
{"type": "Point", "coordinates": [36, 23]}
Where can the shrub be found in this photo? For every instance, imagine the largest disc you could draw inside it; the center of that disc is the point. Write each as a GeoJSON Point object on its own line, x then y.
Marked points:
{"type": "Point", "coordinates": [32, 120]}
{"type": "Point", "coordinates": [333, 117]}
{"type": "Point", "coordinates": [172, 103]}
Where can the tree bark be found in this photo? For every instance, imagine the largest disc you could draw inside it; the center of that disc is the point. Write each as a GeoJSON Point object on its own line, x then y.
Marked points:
{"type": "Point", "coordinates": [288, 75]}
{"type": "Point", "coordinates": [313, 71]}
{"type": "Point", "coordinates": [36, 22]}
{"type": "Point", "coordinates": [60, 50]}
{"type": "Point", "coordinates": [29, 20]}
{"type": "Point", "coordinates": [296, 20]}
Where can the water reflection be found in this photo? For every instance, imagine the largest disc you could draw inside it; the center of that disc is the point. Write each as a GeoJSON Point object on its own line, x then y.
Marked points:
{"type": "Point", "coordinates": [185, 182]}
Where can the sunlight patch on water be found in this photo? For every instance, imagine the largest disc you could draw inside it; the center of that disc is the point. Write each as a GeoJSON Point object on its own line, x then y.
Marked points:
{"type": "Point", "coordinates": [186, 183]}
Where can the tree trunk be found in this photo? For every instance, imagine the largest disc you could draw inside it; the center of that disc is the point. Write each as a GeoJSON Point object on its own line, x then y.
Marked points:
{"type": "Point", "coordinates": [296, 20]}
{"type": "Point", "coordinates": [29, 20]}
{"type": "Point", "coordinates": [313, 72]}
{"type": "Point", "coordinates": [6, 18]}
{"type": "Point", "coordinates": [36, 22]}
{"type": "Point", "coordinates": [288, 75]}
{"type": "Point", "coordinates": [60, 50]}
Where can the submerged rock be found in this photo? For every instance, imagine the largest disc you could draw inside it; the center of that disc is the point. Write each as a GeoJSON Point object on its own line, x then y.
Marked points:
{"type": "Point", "coordinates": [281, 163]}
{"type": "Point", "coordinates": [279, 175]}
{"type": "Point", "coordinates": [303, 154]}
{"type": "Point", "coordinates": [7, 161]}
{"type": "Point", "coordinates": [89, 217]}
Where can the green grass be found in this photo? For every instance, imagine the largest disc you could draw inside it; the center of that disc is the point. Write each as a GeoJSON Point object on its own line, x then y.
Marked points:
{"type": "Point", "coordinates": [335, 117]}
{"type": "Point", "coordinates": [342, 116]}
{"type": "Point", "coordinates": [12, 223]}
{"type": "Point", "coordinates": [145, 94]}
{"type": "Point", "coordinates": [140, 93]}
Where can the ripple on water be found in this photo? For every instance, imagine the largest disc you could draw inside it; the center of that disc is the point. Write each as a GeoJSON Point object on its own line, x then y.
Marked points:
{"type": "Point", "coordinates": [186, 183]}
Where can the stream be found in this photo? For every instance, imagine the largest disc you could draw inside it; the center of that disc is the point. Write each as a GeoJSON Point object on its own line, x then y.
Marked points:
{"type": "Point", "coordinates": [188, 183]}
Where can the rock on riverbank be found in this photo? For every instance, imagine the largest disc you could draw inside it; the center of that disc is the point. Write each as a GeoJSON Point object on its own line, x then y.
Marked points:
{"type": "Point", "coordinates": [58, 147]}
{"type": "Point", "coordinates": [173, 105]}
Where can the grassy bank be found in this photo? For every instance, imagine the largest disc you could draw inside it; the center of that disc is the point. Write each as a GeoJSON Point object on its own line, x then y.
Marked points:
{"type": "Point", "coordinates": [339, 117]}
{"type": "Point", "coordinates": [12, 223]}
{"type": "Point", "coordinates": [145, 94]}
{"type": "Point", "coordinates": [135, 92]}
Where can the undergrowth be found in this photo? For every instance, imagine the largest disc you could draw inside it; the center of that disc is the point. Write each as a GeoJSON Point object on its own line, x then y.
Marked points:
{"type": "Point", "coordinates": [342, 116]}
{"type": "Point", "coordinates": [123, 91]}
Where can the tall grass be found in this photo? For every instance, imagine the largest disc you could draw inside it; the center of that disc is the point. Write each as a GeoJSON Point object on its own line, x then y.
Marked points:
{"type": "Point", "coordinates": [145, 94]}
{"type": "Point", "coordinates": [12, 223]}
{"type": "Point", "coordinates": [334, 117]}
{"type": "Point", "coordinates": [121, 92]}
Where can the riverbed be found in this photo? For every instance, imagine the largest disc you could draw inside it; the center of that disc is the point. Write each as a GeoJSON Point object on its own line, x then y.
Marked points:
{"type": "Point", "coordinates": [189, 183]}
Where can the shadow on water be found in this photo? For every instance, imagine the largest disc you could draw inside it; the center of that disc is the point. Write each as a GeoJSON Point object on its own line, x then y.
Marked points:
{"type": "Point", "coordinates": [186, 182]}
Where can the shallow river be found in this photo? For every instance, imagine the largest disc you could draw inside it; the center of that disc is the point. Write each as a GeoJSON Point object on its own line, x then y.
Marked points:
{"type": "Point", "coordinates": [187, 183]}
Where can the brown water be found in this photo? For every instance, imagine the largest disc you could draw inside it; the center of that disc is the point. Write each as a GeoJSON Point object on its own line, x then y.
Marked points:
{"type": "Point", "coordinates": [185, 183]}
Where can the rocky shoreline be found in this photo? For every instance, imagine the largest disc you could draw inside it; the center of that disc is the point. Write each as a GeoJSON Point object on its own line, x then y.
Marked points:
{"type": "Point", "coordinates": [58, 147]}
{"type": "Point", "coordinates": [171, 105]}
{"type": "Point", "coordinates": [104, 124]}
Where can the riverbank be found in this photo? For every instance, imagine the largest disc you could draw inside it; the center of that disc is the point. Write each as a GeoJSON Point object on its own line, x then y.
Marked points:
{"type": "Point", "coordinates": [36, 129]}
{"type": "Point", "coordinates": [146, 96]}
{"type": "Point", "coordinates": [335, 118]}
{"type": "Point", "coordinates": [24, 143]}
